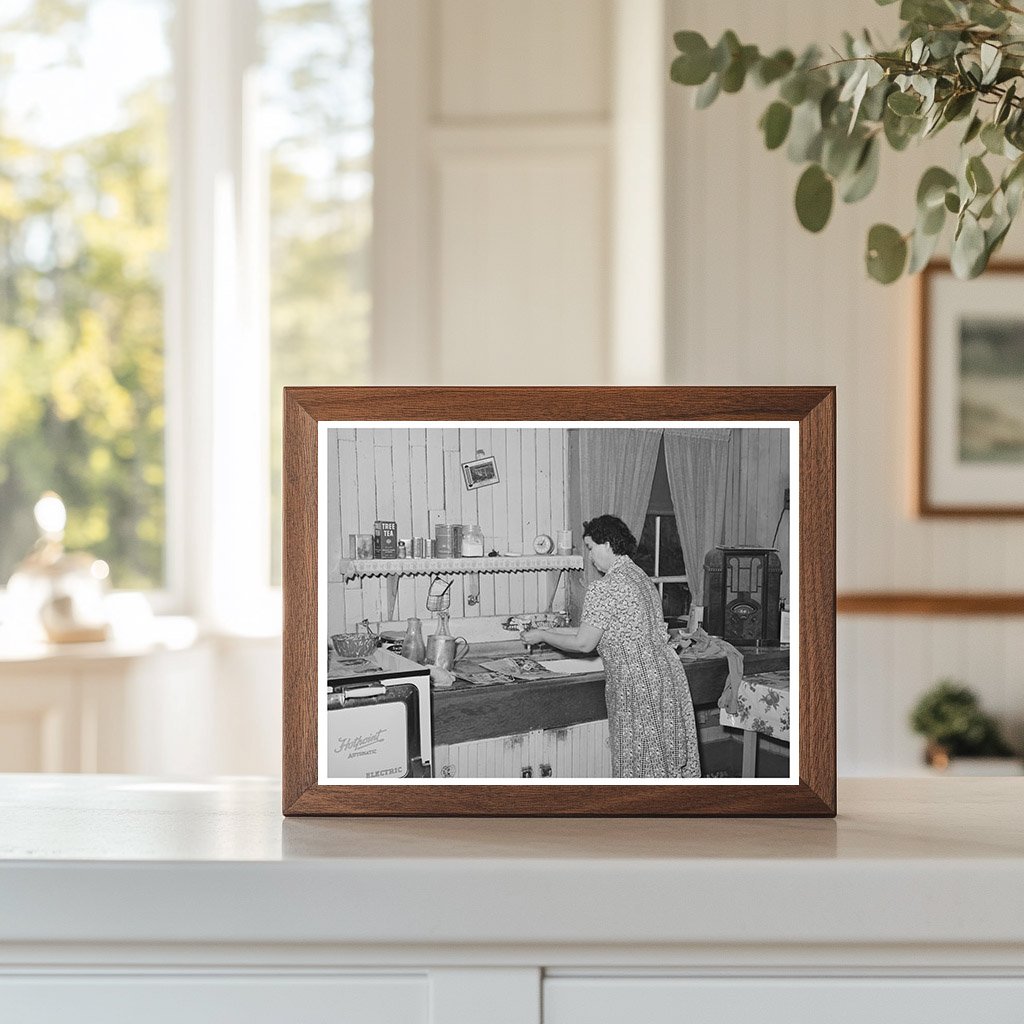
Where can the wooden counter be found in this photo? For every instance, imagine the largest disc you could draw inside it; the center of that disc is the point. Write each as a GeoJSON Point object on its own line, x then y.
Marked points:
{"type": "Point", "coordinates": [467, 712]}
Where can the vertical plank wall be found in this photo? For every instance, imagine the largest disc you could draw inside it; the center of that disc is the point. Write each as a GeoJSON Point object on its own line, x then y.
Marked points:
{"type": "Point", "coordinates": [404, 474]}
{"type": "Point", "coordinates": [754, 299]}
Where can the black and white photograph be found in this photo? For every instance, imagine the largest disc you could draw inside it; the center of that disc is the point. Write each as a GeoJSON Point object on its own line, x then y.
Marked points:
{"type": "Point", "coordinates": [615, 606]}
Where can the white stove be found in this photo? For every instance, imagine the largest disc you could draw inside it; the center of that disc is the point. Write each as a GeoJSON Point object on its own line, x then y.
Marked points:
{"type": "Point", "coordinates": [378, 717]}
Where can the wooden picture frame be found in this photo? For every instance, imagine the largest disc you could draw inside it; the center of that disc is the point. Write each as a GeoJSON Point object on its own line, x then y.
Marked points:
{"type": "Point", "coordinates": [808, 413]}
{"type": "Point", "coordinates": [969, 448]}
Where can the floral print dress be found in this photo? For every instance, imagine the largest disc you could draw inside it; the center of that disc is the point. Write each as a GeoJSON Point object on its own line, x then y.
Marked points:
{"type": "Point", "coordinates": [652, 730]}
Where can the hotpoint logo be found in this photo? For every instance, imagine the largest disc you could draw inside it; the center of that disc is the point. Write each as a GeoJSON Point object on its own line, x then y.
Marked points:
{"type": "Point", "coordinates": [354, 744]}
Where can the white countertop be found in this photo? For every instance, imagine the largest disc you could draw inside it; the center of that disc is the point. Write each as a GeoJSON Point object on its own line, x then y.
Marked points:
{"type": "Point", "coordinates": [123, 859]}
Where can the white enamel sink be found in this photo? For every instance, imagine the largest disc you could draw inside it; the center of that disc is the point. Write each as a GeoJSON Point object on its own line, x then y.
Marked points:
{"type": "Point", "coordinates": [572, 666]}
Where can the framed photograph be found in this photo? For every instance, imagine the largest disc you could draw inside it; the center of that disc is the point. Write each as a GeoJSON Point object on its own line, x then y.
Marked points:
{"type": "Point", "coordinates": [482, 472]}
{"type": "Point", "coordinates": [970, 450]}
{"type": "Point", "coordinates": [674, 656]}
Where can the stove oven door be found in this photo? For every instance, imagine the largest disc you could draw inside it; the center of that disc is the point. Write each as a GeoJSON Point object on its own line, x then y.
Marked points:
{"type": "Point", "coordinates": [369, 739]}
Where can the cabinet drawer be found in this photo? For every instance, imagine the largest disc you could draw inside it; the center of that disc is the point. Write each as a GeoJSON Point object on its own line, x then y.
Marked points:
{"type": "Point", "coordinates": [782, 1000]}
{"type": "Point", "coordinates": [202, 999]}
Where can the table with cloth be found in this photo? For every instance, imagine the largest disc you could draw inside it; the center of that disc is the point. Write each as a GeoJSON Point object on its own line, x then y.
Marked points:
{"type": "Point", "coordinates": [761, 706]}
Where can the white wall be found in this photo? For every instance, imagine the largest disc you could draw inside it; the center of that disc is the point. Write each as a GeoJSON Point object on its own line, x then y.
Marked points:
{"type": "Point", "coordinates": [754, 299]}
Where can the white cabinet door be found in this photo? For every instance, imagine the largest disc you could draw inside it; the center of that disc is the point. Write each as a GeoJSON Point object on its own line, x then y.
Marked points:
{"type": "Point", "coordinates": [579, 752]}
{"type": "Point", "coordinates": [783, 1000]}
{"type": "Point", "coordinates": [202, 999]}
{"type": "Point", "coordinates": [504, 757]}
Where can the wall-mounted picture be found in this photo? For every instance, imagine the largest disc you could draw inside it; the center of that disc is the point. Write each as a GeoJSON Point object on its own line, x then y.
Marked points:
{"type": "Point", "coordinates": [971, 413]}
{"type": "Point", "coordinates": [480, 472]}
{"type": "Point", "coordinates": [657, 645]}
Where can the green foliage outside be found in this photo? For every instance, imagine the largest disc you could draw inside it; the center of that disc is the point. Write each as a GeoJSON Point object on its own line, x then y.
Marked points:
{"type": "Point", "coordinates": [956, 62]}
{"type": "Point", "coordinates": [83, 242]}
{"type": "Point", "coordinates": [82, 230]}
{"type": "Point", "coordinates": [319, 58]}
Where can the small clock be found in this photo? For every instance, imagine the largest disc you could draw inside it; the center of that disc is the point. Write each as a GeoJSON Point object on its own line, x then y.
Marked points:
{"type": "Point", "coordinates": [543, 544]}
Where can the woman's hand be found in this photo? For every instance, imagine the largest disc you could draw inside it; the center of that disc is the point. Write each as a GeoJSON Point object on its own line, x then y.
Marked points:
{"type": "Point", "coordinates": [532, 636]}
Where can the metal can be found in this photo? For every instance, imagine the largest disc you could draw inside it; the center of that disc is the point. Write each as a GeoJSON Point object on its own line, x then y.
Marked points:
{"type": "Point", "coordinates": [443, 536]}
{"type": "Point", "coordinates": [457, 541]}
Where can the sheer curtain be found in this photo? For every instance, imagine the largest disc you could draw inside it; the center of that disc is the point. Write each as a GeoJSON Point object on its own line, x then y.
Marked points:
{"type": "Point", "coordinates": [697, 464]}
{"type": "Point", "coordinates": [616, 474]}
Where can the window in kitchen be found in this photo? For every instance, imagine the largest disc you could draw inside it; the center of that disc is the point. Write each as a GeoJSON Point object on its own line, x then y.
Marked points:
{"type": "Point", "coordinates": [184, 229]}
{"type": "Point", "coordinates": [317, 127]}
{"type": "Point", "coordinates": [83, 242]}
{"type": "Point", "coordinates": [659, 552]}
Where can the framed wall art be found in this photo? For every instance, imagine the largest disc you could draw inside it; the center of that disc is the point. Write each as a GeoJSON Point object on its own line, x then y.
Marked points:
{"type": "Point", "coordinates": [970, 444]}
{"type": "Point", "coordinates": [673, 654]}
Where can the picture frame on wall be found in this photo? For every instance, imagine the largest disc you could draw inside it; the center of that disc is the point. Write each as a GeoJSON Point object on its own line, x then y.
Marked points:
{"type": "Point", "coordinates": [481, 472]}
{"type": "Point", "coordinates": [474, 676]}
{"type": "Point", "coordinates": [970, 416]}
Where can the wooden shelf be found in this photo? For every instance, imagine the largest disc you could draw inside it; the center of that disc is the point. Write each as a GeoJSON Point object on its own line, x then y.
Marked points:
{"type": "Point", "coordinates": [354, 568]}
{"type": "Point", "coordinates": [393, 569]}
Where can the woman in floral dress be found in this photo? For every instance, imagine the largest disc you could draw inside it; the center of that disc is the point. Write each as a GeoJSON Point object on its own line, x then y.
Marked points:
{"type": "Point", "coordinates": [650, 713]}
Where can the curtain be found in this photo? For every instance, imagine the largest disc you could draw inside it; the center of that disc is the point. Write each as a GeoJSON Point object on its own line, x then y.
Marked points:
{"type": "Point", "coordinates": [616, 474]}
{"type": "Point", "coordinates": [697, 464]}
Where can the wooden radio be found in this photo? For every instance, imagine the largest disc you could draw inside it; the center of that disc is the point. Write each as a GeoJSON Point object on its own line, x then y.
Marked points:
{"type": "Point", "coordinates": [741, 594]}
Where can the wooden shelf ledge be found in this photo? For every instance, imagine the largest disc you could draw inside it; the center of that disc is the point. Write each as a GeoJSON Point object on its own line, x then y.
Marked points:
{"type": "Point", "coordinates": [918, 603]}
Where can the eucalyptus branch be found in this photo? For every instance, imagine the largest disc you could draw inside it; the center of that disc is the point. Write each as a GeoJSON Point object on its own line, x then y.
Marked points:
{"type": "Point", "coordinates": [833, 117]}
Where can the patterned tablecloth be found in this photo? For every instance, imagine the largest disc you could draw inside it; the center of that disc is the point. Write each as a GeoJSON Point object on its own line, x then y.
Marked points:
{"type": "Point", "coordinates": [763, 702]}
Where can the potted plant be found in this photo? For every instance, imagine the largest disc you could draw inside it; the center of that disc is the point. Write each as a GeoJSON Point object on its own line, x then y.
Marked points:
{"type": "Point", "coordinates": [950, 717]}
{"type": "Point", "coordinates": [955, 62]}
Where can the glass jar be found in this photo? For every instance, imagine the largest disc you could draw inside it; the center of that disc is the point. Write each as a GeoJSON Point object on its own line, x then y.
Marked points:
{"type": "Point", "coordinates": [472, 542]}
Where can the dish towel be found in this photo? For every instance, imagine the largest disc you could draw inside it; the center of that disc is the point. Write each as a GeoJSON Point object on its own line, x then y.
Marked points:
{"type": "Point", "coordinates": [703, 645]}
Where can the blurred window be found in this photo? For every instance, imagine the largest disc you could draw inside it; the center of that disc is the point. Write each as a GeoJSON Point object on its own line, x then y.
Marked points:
{"type": "Point", "coordinates": [89, 186]}
{"type": "Point", "coordinates": [317, 127]}
{"type": "Point", "coordinates": [83, 239]}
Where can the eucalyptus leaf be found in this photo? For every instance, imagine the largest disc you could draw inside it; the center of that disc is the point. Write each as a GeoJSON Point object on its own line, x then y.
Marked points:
{"type": "Point", "coordinates": [805, 133]}
{"type": "Point", "coordinates": [958, 105]}
{"type": "Point", "coordinates": [903, 103]}
{"type": "Point", "coordinates": [973, 130]}
{"type": "Point", "coordinates": [993, 138]}
{"type": "Point", "coordinates": [978, 176]}
{"type": "Point", "coordinates": [725, 50]}
{"type": "Point", "coordinates": [814, 195]}
{"type": "Point", "coordinates": [987, 15]}
{"type": "Point", "coordinates": [775, 124]}
{"type": "Point", "coordinates": [922, 248]}
{"type": "Point", "coordinates": [707, 93]}
{"type": "Point", "coordinates": [932, 221]}
{"type": "Point", "coordinates": [931, 190]}
{"type": "Point", "coordinates": [886, 254]}
{"type": "Point", "coordinates": [1005, 105]}
{"type": "Point", "coordinates": [968, 247]}
{"type": "Point", "coordinates": [771, 69]}
{"type": "Point", "coordinates": [873, 106]}
{"type": "Point", "coordinates": [952, 202]}
{"type": "Point", "coordinates": [840, 152]}
{"type": "Point", "coordinates": [865, 174]}
{"type": "Point", "coordinates": [991, 60]}
{"type": "Point", "coordinates": [735, 74]}
{"type": "Point", "coordinates": [794, 88]}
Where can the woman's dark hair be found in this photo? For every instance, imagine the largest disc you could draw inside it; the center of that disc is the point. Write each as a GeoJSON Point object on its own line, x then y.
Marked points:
{"type": "Point", "coordinates": [611, 530]}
